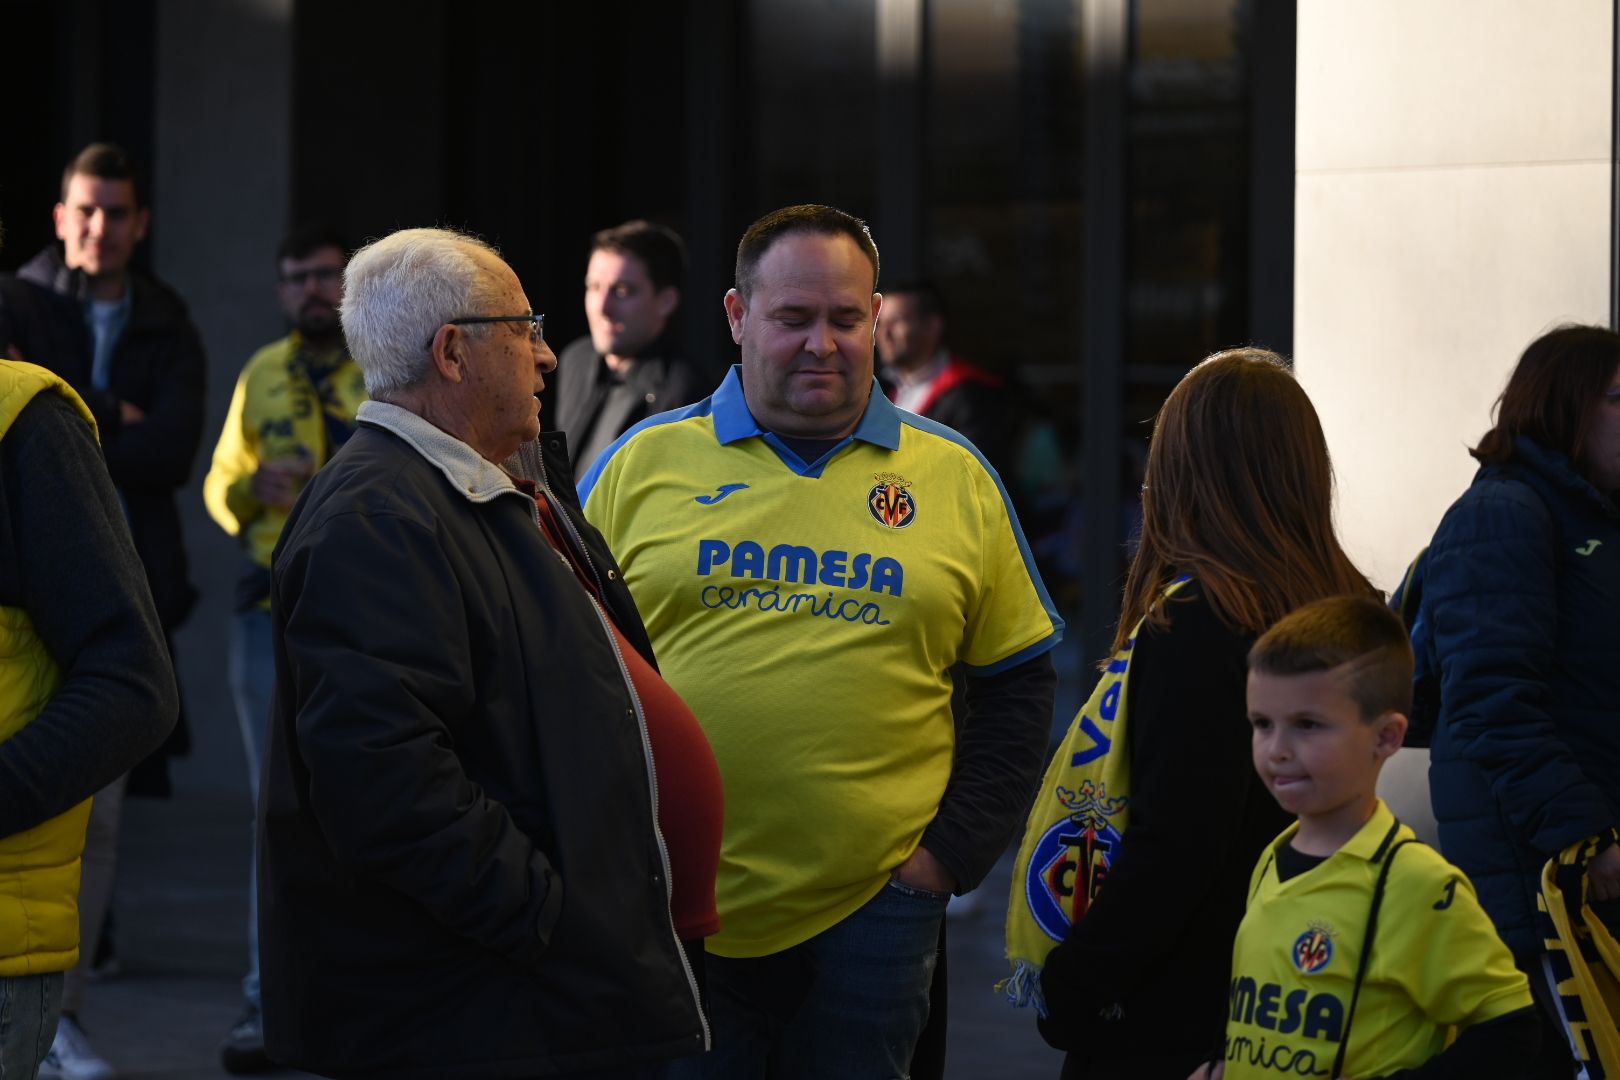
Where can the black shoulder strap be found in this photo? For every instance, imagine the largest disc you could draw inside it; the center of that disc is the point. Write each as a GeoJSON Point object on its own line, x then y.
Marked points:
{"type": "Point", "coordinates": [1411, 591]}
{"type": "Point", "coordinates": [1386, 852]}
{"type": "Point", "coordinates": [1259, 879]}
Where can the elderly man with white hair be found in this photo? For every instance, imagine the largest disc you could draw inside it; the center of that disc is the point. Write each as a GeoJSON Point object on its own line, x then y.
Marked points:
{"type": "Point", "coordinates": [462, 871]}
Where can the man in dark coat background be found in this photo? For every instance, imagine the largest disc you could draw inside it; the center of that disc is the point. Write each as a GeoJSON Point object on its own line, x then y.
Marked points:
{"type": "Point", "coordinates": [146, 375]}
{"type": "Point", "coordinates": [627, 368]}
{"type": "Point", "coordinates": [140, 368]}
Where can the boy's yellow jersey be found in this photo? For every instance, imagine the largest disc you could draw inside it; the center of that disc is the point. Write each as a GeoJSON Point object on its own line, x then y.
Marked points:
{"type": "Point", "coordinates": [1437, 962]}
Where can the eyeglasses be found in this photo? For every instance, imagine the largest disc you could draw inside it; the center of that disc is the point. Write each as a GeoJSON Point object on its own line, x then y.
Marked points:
{"type": "Point", "coordinates": [536, 331]}
{"type": "Point", "coordinates": [320, 275]}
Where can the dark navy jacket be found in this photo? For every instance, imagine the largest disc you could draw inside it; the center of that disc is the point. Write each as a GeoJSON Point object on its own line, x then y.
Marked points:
{"type": "Point", "coordinates": [459, 873]}
{"type": "Point", "coordinates": [158, 366]}
{"type": "Point", "coordinates": [1522, 595]}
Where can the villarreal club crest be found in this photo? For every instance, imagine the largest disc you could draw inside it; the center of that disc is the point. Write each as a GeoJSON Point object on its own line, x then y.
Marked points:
{"type": "Point", "coordinates": [1072, 859]}
{"type": "Point", "coordinates": [1313, 950]}
{"type": "Point", "coordinates": [891, 502]}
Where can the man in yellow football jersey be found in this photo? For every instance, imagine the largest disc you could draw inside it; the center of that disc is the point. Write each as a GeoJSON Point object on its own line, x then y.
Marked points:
{"type": "Point", "coordinates": [811, 563]}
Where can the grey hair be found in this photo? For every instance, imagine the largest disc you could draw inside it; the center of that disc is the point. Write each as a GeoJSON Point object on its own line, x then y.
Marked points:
{"type": "Point", "coordinates": [399, 290]}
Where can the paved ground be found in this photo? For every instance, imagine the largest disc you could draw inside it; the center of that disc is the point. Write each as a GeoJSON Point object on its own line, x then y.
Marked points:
{"type": "Point", "coordinates": [181, 906]}
{"type": "Point", "coordinates": [181, 903]}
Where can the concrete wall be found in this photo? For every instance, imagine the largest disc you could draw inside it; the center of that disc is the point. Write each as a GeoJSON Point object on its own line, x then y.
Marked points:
{"type": "Point", "coordinates": [1452, 202]}
{"type": "Point", "coordinates": [219, 206]}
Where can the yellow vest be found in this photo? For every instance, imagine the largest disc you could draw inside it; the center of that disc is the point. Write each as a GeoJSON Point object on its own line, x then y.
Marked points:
{"type": "Point", "coordinates": [39, 867]}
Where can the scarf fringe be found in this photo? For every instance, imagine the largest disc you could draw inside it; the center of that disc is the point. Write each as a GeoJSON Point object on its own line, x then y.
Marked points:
{"type": "Point", "coordinates": [1022, 988]}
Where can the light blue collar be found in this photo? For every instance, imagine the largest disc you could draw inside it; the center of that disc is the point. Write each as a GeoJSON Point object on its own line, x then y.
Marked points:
{"type": "Point", "coordinates": [733, 422]}
{"type": "Point", "coordinates": [880, 424]}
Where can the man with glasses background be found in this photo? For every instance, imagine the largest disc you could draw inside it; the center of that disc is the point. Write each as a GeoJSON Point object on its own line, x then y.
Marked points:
{"type": "Point", "coordinates": [460, 869]}
{"type": "Point", "coordinates": [293, 407]}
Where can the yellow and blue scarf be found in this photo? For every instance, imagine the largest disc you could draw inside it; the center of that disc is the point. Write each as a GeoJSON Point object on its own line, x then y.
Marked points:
{"type": "Point", "coordinates": [1584, 958]}
{"type": "Point", "coordinates": [1074, 829]}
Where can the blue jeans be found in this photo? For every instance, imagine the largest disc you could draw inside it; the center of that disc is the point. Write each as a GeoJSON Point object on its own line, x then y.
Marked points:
{"type": "Point", "coordinates": [29, 1006]}
{"type": "Point", "coordinates": [252, 674]}
{"type": "Point", "coordinates": [848, 1003]}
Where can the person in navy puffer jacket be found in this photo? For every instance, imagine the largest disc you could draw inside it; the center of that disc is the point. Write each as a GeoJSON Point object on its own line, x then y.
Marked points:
{"type": "Point", "coordinates": [1522, 595]}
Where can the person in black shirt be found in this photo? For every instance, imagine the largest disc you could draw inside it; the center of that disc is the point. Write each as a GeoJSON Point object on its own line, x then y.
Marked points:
{"type": "Point", "coordinates": [627, 368]}
{"type": "Point", "coordinates": [1239, 496]}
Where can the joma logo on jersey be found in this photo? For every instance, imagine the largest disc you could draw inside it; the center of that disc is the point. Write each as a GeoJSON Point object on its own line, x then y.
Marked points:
{"type": "Point", "coordinates": [720, 493]}
{"type": "Point", "coordinates": [796, 564]}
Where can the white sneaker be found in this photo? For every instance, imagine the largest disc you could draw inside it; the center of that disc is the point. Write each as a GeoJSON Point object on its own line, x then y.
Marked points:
{"type": "Point", "coordinates": [71, 1057]}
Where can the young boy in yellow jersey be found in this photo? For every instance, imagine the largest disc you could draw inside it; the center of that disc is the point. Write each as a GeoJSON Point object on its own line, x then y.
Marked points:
{"type": "Point", "coordinates": [1363, 953]}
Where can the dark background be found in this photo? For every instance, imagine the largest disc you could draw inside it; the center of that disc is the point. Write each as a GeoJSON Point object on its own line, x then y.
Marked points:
{"type": "Point", "coordinates": [1103, 188]}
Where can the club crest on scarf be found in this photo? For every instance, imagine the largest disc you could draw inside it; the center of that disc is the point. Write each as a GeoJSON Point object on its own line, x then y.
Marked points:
{"type": "Point", "coordinates": [1072, 859]}
{"type": "Point", "coordinates": [1075, 829]}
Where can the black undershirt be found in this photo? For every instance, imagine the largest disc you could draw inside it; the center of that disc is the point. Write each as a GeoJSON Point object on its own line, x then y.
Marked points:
{"type": "Point", "coordinates": [809, 450]}
{"type": "Point", "coordinates": [1291, 862]}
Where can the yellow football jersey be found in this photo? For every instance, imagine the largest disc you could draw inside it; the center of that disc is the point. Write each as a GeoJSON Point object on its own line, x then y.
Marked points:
{"type": "Point", "coordinates": [810, 613]}
{"type": "Point", "coordinates": [1437, 963]}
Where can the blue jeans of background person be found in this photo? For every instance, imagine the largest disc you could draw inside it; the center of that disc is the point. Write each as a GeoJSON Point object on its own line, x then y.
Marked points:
{"type": "Point", "coordinates": [29, 1006]}
{"type": "Point", "coordinates": [252, 675]}
{"type": "Point", "coordinates": [848, 1003]}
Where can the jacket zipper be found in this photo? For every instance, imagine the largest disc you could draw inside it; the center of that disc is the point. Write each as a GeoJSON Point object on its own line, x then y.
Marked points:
{"type": "Point", "coordinates": [646, 743]}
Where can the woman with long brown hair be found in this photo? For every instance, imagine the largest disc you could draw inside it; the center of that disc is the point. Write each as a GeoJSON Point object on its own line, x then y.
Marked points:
{"type": "Point", "coordinates": [1157, 808]}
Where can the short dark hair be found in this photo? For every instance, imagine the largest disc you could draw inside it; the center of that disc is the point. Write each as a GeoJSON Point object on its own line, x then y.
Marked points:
{"type": "Point", "coordinates": [1354, 630]}
{"type": "Point", "coordinates": [805, 218]}
{"type": "Point", "coordinates": [104, 161]}
{"type": "Point", "coordinates": [929, 299]}
{"type": "Point", "coordinates": [306, 238]}
{"type": "Point", "coordinates": [659, 248]}
{"type": "Point", "coordinates": [1553, 394]}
